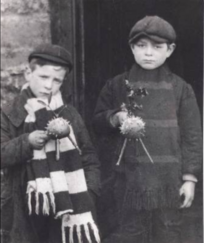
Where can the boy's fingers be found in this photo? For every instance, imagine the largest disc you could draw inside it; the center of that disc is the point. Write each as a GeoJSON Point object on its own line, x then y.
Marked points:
{"type": "Point", "coordinates": [181, 192]}
{"type": "Point", "coordinates": [184, 203]}
{"type": "Point", "coordinates": [187, 202]}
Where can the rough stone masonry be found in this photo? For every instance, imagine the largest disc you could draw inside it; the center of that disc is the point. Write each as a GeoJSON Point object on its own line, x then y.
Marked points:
{"type": "Point", "coordinates": [24, 24]}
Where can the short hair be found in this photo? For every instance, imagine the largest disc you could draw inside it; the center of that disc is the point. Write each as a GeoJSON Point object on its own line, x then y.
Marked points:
{"type": "Point", "coordinates": [42, 62]}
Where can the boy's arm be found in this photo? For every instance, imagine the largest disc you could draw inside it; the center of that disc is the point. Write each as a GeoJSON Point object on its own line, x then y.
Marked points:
{"type": "Point", "coordinates": [91, 164]}
{"type": "Point", "coordinates": [191, 135]}
{"type": "Point", "coordinates": [14, 150]}
{"type": "Point", "coordinates": [103, 120]}
{"type": "Point", "coordinates": [191, 144]}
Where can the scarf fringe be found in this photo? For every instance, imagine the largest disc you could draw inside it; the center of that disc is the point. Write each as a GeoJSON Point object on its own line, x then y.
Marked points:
{"type": "Point", "coordinates": [95, 231]}
{"type": "Point", "coordinates": [48, 203]}
{"type": "Point", "coordinates": [78, 228]}
{"type": "Point", "coordinates": [29, 203]}
{"type": "Point", "coordinates": [87, 233]}
{"type": "Point", "coordinates": [37, 204]}
{"type": "Point", "coordinates": [52, 200]}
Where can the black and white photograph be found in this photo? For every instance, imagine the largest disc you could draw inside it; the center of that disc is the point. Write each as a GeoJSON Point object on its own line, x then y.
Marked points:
{"type": "Point", "coordinates": [102, 121]}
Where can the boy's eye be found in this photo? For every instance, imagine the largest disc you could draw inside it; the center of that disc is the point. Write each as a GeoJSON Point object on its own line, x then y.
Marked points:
{"type": "Point", "coordinates": [58, 81]}
{"type": "Point", "coordinates": [157, 46]}
{"type": "Point", "coordinates": [43, 76]}
{"type": "Point", "coordinates": [140, 45]}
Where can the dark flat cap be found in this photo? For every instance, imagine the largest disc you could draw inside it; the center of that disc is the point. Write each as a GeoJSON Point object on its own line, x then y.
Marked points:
{"type": "Point", "coordinates": [52, 53]}
{"type": "Point", "coordinates": [153, 27]}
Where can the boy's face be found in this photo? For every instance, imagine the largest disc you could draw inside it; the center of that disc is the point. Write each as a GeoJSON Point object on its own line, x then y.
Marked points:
{"type": "Point", "coordinates": [150, 54]}
{"type": "Point", "coordinates": [45, 79]}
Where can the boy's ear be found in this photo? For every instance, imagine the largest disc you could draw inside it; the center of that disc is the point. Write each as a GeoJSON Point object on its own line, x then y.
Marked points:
{"type": "Point", "coordinates": [27, 73]}
{"type": "Point", "coordinates": [171, 48]}
{"type": "Point", "coordinates": [132, 46]}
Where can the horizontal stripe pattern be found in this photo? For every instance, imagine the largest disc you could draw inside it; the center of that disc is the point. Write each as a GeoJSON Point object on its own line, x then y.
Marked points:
{"type": "Point", "coordinates": [44, 185]}
{"type": "Point", "coordinates": [40, 168]}
{"type": "Point", "coordinates": [80, 219]}
{"type": "Point", "coordinates": [59, 182]}
{"type": "Point", "coordinates": [81, 202]}
{"type": "Point", "coordinates": [65, 161]}
{"type": "Point", "coordinates": [75, 181]}
{"type": "Point", "coordinates": [153, 85]}
{"type": "Point", "coordinates": [64, 145]}
{"type": "Point", "coordinates": [39, 154]}
{"type": "Point", "coordinates": [161, 123]}
{"type": "Point", "coordinates": [63, 202]}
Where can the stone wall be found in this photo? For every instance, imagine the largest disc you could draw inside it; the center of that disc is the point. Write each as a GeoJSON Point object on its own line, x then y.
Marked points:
{"type": "Point", "coordinates": [24, 24]}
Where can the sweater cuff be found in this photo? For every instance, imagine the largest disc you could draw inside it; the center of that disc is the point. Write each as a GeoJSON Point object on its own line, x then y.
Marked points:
{"type": "Point", "coordinates": [111, 118]}
{"type": "Point", "coordinates": [189, 177]}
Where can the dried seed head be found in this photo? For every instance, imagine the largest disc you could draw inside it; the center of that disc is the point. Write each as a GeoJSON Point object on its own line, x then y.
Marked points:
{"type": "Point", "coordinates": [133, 127]}
{"type": "Point", "coordinates": [58, 127]}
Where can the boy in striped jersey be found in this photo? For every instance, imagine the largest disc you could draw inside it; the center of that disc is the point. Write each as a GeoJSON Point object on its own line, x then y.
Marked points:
{"type": "Point", "coordinates": [150, 195]}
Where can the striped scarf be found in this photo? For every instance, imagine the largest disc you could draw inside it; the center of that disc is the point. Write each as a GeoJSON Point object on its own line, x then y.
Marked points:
{"type": "Point", "coordinates": [58, 187]}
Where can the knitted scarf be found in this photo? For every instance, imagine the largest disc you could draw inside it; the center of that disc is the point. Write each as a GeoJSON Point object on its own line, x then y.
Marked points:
{"type": "Point", "coordinates": [58, 187]}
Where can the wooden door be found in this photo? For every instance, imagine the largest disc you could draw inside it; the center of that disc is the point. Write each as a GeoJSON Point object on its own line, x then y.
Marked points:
{"type": "Point", "coordinates": [107, 24]}
{"type": "Point", "coordinates": [96, 33]}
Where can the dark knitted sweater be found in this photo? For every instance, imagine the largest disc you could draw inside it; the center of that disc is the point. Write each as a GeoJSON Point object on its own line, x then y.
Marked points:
{"type": "Point", "coordinates": [172, 137]}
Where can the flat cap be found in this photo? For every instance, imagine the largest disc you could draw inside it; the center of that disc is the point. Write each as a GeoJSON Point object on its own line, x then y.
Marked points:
{"type": "Point", "coordinates": [153, 27]}
{"type": "Point", "coordinates": [52, 53]}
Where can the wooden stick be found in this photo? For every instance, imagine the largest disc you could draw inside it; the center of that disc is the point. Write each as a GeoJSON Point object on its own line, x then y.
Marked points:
{"type": "Point", "coordinates": [122, 151]}
{"type": "Point", "coordinates": [145, 149]}
{"type": "Point", "coordinates": [75, 145]}
{"type": "Point", "coordinates": [57, 145]}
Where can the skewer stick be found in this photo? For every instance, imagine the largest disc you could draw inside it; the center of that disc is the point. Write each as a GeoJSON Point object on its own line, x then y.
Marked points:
{"type": "Point", "coordinates": [145, 149]}
{"type": "Point", "coordinates": [57, 145]}
{"type": "Point", "coordinates": [75, 145]}
{"type": "Point", "coordinates": [122, 151]}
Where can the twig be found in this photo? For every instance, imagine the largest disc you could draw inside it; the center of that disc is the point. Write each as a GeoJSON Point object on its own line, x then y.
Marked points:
{"type": "Point", "coordinates": [57, 145]}
{"type": "Point", "coordinates": [150, 158]}
{"type": "Point", "coordinates": [122, 151]}
{"type": "Point", "coordinates": [75, 145]}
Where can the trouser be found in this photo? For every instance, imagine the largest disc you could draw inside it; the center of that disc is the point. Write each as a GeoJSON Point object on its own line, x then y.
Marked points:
{"type": "Point", "coordinates": [156, 226]}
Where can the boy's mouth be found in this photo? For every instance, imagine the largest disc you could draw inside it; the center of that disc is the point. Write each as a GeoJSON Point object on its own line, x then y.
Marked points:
{"type": "Point", "coordinates": [44, 94]}
{"type": "Point", "coordinates": [148, 61]}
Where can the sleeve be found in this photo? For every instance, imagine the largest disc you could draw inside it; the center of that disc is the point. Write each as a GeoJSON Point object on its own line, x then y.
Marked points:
{"type": "Point", "coordinates": [90, 161]}
{"type": "Point", "coordinates": [105, 109]}
{"type": "Point", "coordinates": [14, 150]}
{"type": "Point", "coordinates": [191, 133]}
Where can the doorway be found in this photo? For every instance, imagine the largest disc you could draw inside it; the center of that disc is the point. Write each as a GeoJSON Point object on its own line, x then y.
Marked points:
{"type": "Point", "coordinates": [106, 28]}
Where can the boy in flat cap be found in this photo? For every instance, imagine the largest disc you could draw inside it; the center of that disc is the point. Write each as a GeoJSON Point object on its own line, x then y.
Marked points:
{"type": "Point", "coordinates": [151, 120]}
{"type": "Point", "coordinates": [51, 171]}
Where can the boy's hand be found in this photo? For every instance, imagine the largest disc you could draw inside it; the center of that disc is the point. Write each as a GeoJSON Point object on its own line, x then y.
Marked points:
{"type": "Point", "coordinates": [188, 191]}
{"type": "Point", "coordinates": [37, 139]}
{"type": "Point", "coordinates": [119, 118]}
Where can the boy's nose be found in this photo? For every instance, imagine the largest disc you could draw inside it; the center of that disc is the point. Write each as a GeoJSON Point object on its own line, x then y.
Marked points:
{"type": "Point", "coordinates": [148, 51]}
{"type": "Point", "coordinates": [48, 84]}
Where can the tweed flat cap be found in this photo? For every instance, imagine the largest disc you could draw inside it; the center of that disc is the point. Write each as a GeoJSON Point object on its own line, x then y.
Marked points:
{"type": "Point", "coordinates": [153, 27]}
{"type": "Point", "coordinates": [52, 53]}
